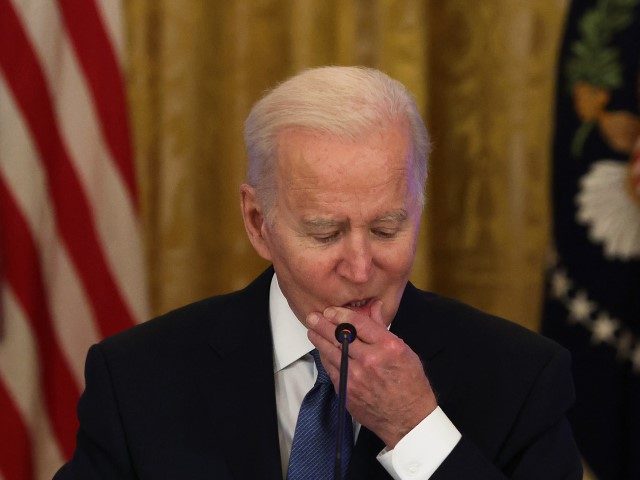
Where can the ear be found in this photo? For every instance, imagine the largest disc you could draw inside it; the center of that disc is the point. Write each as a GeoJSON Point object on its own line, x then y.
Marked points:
{"type": "Point", "coordinates": [254, 221]}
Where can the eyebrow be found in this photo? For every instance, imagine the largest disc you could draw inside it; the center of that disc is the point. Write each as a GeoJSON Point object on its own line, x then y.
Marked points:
{"type": "Point", "coordinates": [322, 223]}
{"type": "Point", "coordinates": [397, 216]}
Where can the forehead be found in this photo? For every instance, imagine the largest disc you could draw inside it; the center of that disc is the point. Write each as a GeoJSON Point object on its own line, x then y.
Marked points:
{"type": "Point", "coordinates": [308, 159]}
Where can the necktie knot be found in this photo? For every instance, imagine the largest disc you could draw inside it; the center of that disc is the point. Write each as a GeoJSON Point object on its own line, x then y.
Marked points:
{"type": "Point", "coordinates": [323, 376]}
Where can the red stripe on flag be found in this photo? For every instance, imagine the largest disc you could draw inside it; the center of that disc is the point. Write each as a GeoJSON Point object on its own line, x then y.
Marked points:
{"type": "Point", "coordinates": [21, 269]}
{"type": "Point", "coordinates": [16, 462]}
{"type": "Point", "coordinates": [73, 216]}
{"type": "Point", "coordinates": [96, 55]}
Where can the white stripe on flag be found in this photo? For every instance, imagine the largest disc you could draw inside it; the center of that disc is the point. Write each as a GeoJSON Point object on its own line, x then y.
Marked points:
{"type": "Point", "coordinates": [45, 275]}
{"type": "Point", "coordinates": [19, 371]}
{"type": "Point", "coordinates": [111, 15]}
{"type": "Point", "coordinates": [115, 217]}
{"type": "Point", "coordinates": [72, 317]}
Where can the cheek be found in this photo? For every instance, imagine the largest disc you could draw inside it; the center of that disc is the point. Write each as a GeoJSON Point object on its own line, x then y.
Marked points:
{"type": "Point", "coordinates": [314, 269]}
{"type": "Point", "coordinates": [315, 282]}
{"type": "Point", "coordinates": [307, 266]}
{"type": "Point", "coordinates": [397, 262]}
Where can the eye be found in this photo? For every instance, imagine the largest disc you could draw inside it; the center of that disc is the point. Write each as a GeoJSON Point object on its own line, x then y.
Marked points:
{"type": "Point", "coordinates": [327, 238]}
{"type": "Point", "coordinates": [384, 232]}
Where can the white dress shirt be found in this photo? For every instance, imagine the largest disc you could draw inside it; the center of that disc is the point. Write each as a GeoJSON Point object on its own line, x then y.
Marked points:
{"type": "Point", "coordinates": [416, 456]}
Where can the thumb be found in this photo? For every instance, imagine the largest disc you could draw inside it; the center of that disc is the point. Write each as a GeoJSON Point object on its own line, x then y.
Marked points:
{"type": "Point", "coordinates": [376, 312]}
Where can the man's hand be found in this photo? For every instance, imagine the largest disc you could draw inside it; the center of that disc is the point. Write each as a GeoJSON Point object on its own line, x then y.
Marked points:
{"type": "Point", "coordinates": [388, 391]}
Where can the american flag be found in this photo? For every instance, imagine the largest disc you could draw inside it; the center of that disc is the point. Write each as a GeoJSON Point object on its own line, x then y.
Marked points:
{"type": "Point", "coordinates": [71, 263]}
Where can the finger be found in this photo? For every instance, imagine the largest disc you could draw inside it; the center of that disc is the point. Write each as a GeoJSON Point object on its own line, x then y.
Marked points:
{"type": "Point", "coordinates": [326, 326]}
{"type": "Point", "coordinates": [368, 330]}
{"type": "Point", "coordinates": [359, 348]}
{"type": "Point", "coordinates": [322, 326]}
{"type": "Point", "coordinates": [321, 332]}
{"type": "Point", "coordinates": [376, 313]}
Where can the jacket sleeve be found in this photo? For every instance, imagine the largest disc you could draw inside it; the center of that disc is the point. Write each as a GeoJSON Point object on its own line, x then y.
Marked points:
{"type": "Point", "coordinates": [101, 448]}
{"type": "Point", "coordinates": [540, 443]}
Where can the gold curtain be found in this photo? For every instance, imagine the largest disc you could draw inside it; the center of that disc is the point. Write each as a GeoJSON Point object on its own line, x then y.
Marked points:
{"type": "Point", "coordinates": [492, 84]}
{"type": "Point", "coordinates": [483, 73]}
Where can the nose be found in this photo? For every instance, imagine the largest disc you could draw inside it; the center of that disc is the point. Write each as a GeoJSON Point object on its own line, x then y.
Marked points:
{"type": "Point", "coordinates": [356, 262]}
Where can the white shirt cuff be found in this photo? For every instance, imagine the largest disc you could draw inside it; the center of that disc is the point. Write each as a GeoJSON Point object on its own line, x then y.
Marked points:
{"type": "Point", "coordinates": [421, 451]}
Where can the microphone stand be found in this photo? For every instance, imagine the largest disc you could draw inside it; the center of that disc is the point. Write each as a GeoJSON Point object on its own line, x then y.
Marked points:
{"type": "Point", "coordinates": [345, 334]}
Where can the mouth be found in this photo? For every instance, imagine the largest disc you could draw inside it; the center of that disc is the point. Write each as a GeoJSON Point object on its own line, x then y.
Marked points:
{"type": "Point", "coordinates": [360, 306]}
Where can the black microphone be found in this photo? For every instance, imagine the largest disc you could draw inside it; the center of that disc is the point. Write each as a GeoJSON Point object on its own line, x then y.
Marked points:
{"type": "Point", "coordinates": [345, 334]}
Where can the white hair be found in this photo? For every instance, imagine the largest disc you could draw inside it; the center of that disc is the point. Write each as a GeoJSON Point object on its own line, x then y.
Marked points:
{"type": "Point", "coordinates": [348, 102]}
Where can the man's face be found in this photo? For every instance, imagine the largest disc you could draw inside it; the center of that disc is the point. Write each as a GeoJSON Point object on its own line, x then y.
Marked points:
{"type": "Point", "coordinates": [345, 223]}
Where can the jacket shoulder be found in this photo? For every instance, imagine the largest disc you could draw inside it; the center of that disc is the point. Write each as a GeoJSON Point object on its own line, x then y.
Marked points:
{"type": "Point", "coordinates": [468, 329]}
{"type": "Point", "coordinates": [216, 316]}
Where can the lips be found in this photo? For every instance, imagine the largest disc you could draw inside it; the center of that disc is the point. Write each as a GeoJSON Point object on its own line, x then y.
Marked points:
{"type": "Point", "coordinates": [361, 306]}
{"type": "Point", "coordinates": [357, 303]}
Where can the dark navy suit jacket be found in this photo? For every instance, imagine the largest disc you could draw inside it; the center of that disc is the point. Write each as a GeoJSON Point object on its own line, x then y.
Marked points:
{"type": "Point", "coordinates": [190, 395]}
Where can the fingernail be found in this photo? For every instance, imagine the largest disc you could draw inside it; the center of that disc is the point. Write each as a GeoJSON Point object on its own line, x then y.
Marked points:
{"type": "Point", "coordinates": [330, 312]}
{"type": "Point", "coordinates": [312, 320]}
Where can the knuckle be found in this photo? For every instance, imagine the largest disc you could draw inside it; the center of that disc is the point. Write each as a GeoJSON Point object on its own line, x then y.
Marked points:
{"type": "Point", "coordinates": [394, 346]}
{"type": "Point", "coordinates": [355, 377]}
{"type": "Point", "coordinates": [370, 360]}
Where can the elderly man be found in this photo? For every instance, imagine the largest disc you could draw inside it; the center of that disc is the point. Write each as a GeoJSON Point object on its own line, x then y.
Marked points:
{"type": "Point", "coordinates": [241, 386]}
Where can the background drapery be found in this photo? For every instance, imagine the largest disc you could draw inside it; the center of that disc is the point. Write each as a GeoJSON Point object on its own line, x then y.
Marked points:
{"type": "Point", "coordinates": [482, 73]}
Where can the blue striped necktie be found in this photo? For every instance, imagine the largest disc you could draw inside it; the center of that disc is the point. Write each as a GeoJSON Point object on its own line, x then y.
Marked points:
{"type": "Point", "coordinates": [314, 441]}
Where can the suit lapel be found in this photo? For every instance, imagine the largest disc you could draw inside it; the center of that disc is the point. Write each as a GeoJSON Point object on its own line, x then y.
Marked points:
{"type": "Point", "coordinates": [422, 327]}
{"type": "Point", "coordinates": [241, 388]}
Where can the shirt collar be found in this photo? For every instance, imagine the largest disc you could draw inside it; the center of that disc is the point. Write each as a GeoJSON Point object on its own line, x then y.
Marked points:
{"type": "Point", "coordinates": [289, 335]}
